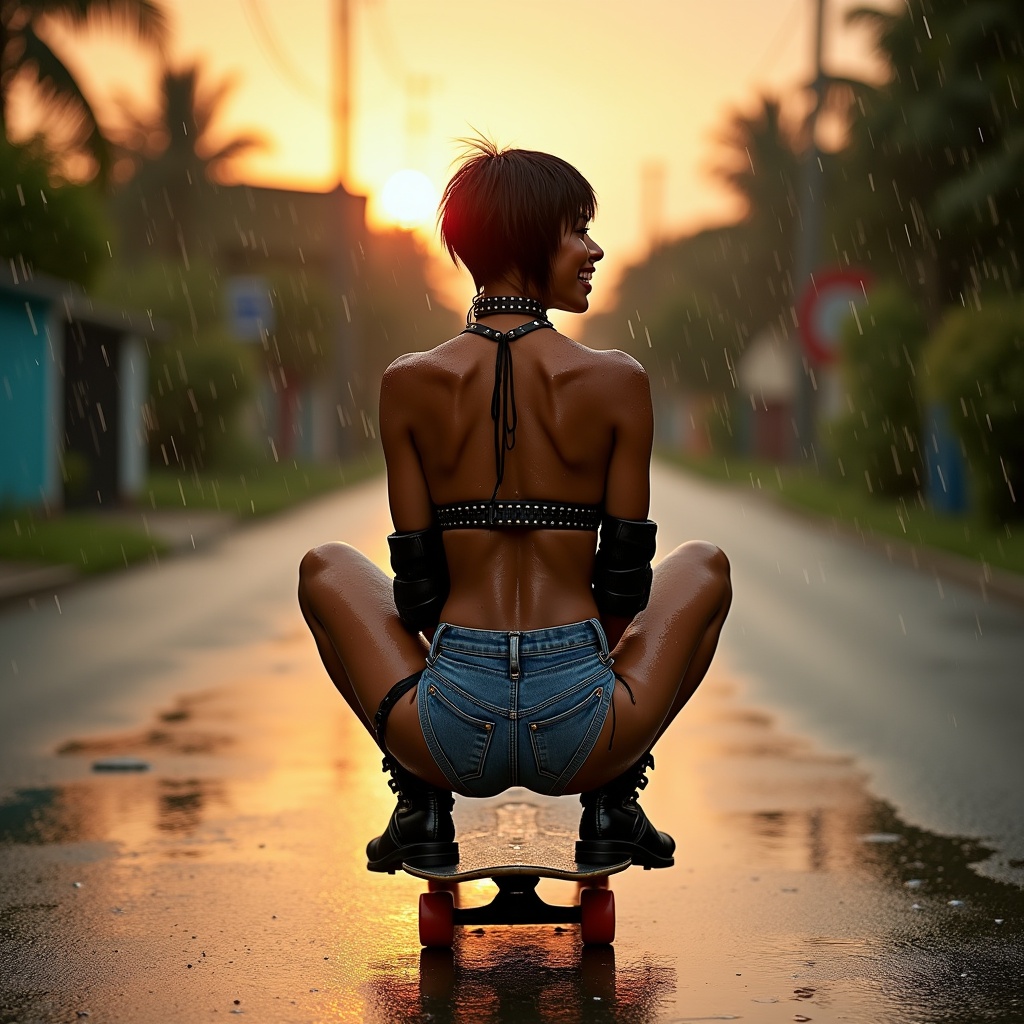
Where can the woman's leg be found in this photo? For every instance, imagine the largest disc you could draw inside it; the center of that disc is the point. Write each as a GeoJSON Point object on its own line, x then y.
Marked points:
{"type": "Point", "coordinates": [347, 602]}
{"type": "Point", "coordinates": [349, 607]}
{"type": "Point", "coordinates": [663, 655]}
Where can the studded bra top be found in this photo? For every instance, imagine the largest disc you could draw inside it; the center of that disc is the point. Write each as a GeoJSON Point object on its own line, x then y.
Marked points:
{"type": "Point", "coordinates": [549, 515]}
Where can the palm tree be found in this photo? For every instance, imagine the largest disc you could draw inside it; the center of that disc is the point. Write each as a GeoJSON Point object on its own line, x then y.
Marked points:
{"type": "Point", "coordinates": [760, 162]}
{"type": "Point", "coordinates": [764, 163]}
{"type": "Point", "coordinates": [947, 130]}
{"type": "Point", "coordinates": [24, 53]}
{"type": "Point", "coordinates": [180, 137]}
{"type": "Point", "coordinates": [174, 159]}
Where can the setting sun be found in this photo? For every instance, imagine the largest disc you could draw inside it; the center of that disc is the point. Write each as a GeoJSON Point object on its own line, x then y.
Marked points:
{"type": "Point", "coordinates": [409, 199]}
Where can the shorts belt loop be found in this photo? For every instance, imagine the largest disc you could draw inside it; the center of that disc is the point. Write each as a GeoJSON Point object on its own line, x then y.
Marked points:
{"type": "Point", "coordinates": [602, 641]}
{"type": "Point", "coordinates": [513, 654]}
{"type": "Point", "coordinates": [436, 643]}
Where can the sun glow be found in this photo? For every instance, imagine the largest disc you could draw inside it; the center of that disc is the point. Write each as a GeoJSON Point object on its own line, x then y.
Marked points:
{"type": "Point", "coordinates": [409, 199]}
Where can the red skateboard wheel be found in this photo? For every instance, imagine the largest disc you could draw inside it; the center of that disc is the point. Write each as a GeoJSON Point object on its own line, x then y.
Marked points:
{"type": "Point", "coordinates": [597, 916]}
{"type": "Point", "coordinates": [437, 924]}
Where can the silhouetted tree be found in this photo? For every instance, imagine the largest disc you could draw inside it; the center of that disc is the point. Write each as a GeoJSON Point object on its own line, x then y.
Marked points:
{"type": "Point", "coordinates": [943, 141]}
{"type": "Point", "coordinates": [25, 53]}
{"type": "Point", "coordinates": [173, 161]}
{"type": "Point", "coordinates": [48, 225]}
{"type": "Point", "coordinates": [761, 163]}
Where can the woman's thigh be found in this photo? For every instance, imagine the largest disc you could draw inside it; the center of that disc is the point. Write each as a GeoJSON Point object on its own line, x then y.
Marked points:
{"type": "Point", "coordinates": [677, 630]}
{"type": "Point", "coordinates": [352, 601]}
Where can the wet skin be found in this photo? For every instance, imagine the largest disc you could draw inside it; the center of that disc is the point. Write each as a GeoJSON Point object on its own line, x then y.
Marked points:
{"type": "Point", "coordinates": [584, 436]}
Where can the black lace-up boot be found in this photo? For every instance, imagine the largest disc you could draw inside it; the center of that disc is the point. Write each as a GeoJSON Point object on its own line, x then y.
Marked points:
{"type": "Point", "coordinates": [614, 826]}
{"type": "Point", "coordinates": [421, 830]}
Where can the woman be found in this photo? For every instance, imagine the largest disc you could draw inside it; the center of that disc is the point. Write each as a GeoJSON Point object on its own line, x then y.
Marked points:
{"type": "Point", "coordinates": [511, 648]}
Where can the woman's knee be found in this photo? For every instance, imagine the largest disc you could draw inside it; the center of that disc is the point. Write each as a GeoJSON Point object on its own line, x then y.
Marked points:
{"type": "Point", "coordinates": [707, 563]}
{"type": "Point", "coordinates": [702, 554]}
{"type": "Point", "coordinates": [716, 564]}
{"type": "Point", "coordinates": [709, 555]}
{"type": "Point", "coordinates": [322, 565]}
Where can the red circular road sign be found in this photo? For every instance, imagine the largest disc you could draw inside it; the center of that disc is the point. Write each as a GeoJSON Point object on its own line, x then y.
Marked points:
{"type": "Point", "coordinates": [825, 303]}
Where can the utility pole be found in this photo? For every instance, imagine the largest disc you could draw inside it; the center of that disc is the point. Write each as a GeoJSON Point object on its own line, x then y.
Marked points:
{"type": "Point", "coordinates": [350, 421]}
{"type": "Point", "coordinates": [808, 248]}
{"type": "Point", "coordinates": [342, 90]}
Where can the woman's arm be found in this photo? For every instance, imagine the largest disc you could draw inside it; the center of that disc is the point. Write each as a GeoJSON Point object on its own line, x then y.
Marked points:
{"type": "Point", "coordinates": [418, 557]}
{"type": "Point", "coordinates": [628, 487]}
{"type": "Point", "coordinates": [408, 494]}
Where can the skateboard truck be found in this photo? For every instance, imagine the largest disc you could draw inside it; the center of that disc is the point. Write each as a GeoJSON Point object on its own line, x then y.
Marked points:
{"type": "Point", "coordinates": [515, 843]}
{"type": "Point", "coordinates": [517, 902]}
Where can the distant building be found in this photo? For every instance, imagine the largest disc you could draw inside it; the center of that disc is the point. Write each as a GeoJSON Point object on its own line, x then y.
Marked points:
{"type": "Point", "coordinates": [73, 380]}
{"type": "Point", "coordinates": [252, 234]}
{"type": "Point", "coordinates": [321, 234]}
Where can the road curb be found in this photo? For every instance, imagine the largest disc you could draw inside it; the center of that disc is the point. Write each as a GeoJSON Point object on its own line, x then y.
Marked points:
{"type": "Point", "coordinates": [26, 579]}
{"type": "Point", "coordinates": [182, 532]}
{"type": "Point", "coordinates": [978, 576]}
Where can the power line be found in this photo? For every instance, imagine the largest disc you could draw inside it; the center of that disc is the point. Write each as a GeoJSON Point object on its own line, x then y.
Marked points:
{"type": "Point", "coordinates": [785, 26]}
{"type": "Point", "coordinates": [384, 42]}
{"type": "Point", "coordinates": [276, 56]}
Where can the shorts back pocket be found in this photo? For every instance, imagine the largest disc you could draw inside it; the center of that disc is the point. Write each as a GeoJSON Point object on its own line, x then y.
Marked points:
{"type": "Point", "coordinates": [557, 740]}
{"type": "Point", "coordinates": [462, 736]}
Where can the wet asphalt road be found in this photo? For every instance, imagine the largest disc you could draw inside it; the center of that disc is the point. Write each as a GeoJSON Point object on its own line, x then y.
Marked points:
{"type": "Point", "coordinates": [844, 789]}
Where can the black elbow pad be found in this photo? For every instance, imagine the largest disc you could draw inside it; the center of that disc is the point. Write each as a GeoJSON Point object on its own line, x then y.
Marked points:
{"type": "Point", "coordinates": [421, 577]}
{"type": "Point", "coordinates": [622, 567]}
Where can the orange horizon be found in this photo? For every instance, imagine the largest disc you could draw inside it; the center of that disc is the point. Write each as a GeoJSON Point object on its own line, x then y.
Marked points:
{"type": "Point", "coordinates": [629, 99]}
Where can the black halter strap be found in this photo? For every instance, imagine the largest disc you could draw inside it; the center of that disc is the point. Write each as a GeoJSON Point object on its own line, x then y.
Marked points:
{"type": "Point", "coordinates": [503, 397]}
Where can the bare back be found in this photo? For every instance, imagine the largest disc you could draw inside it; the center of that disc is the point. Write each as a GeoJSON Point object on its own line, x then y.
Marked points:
{"type": "Point", "coordinates": [584, 436]}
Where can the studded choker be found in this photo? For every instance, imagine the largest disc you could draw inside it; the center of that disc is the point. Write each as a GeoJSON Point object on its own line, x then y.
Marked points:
{"type": "Point", "coordinates": [492, 305]}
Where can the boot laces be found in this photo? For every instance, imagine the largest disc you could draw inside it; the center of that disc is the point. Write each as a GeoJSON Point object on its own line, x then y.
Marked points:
{"type": "Point", "coordinates": [639, 780]}
{"type": "Point", "coordinates": [389, 766]}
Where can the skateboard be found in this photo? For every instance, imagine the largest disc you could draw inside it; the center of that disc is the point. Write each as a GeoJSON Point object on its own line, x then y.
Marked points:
{"type": "Point", "coordinates": [515, 840]}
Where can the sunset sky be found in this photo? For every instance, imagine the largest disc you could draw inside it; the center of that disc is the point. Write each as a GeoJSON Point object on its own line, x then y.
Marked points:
{"type": "Point", "coordinates": [612, 86]}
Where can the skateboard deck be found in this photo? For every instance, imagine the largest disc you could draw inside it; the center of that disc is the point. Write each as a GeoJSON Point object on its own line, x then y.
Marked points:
{"type": "Point", "coordinates": [515, 840]}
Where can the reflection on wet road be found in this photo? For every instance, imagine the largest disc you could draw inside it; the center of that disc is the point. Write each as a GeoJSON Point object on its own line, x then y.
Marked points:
{"type": "Point", "coordinates": [524, 975]}
{"type": "Point", "coordinates": [229, 879]}
{"type": "Point", "coordinates": [233, 870]}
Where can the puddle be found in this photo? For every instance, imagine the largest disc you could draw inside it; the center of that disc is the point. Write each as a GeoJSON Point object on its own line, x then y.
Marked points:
{"type": "Point", "coordinates": [234, 870]}
{"type": "Point", "coordinates": [182, 730]}
{"type": "Point", "coordinates": [525, 975]}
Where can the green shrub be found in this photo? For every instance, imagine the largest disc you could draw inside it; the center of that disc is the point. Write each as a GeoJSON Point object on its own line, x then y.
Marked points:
{"type": "Point", "coordinates": [55, 227]}
{"type": "Point", "coordinates": [694, 345]}
{"type": "Point", "coordinates": [200, 377]}
{"type": "Point", "coordinates": [878, 440]}
{"type": "Point", "coordinates": [197, 390]}
{"type": "Point", "coordinates": [723, 420]}
{"type": "Point", "coordinates": [975, 367]}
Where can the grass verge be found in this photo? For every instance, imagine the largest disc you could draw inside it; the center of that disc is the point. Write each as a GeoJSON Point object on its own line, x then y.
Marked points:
{"type": "Point", "coordinates": [87, 541]}
{"type": "Point", "coordinates": [909, 520]}
{"type": "Point", "coordinates": [93, 542]}
{"type": "Point", "coordinates": [255, 491]}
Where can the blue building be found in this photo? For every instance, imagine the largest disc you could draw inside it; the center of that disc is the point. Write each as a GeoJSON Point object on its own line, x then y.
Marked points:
{"type": "Point", "coordinates": [73, 383]}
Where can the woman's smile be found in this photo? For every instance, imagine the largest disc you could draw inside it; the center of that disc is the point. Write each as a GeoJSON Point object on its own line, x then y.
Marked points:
{"type": "Point", "coordinates": [572, 271]}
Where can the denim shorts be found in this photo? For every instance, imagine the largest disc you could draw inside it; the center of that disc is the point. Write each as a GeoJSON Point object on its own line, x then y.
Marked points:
{"type": "Point", "coordinates": [514, 709]}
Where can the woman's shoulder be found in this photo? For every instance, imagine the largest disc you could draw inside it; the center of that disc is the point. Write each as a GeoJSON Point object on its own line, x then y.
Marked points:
{"type": "Point", "coordinates": [612, 366]}
{"type": "Point", "coordinates": [416, 364]}
{"type": "Point", "coordinates": [609, 370]}
{"type": "Point", "coordinates": [619, 360]}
